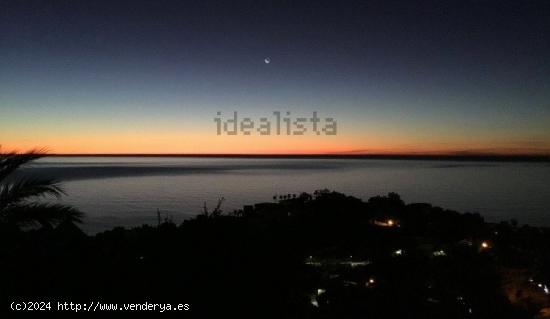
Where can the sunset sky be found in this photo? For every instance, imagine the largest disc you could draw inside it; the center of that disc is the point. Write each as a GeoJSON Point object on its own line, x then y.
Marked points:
{"type": "Point", "coordinates": [149, 76]}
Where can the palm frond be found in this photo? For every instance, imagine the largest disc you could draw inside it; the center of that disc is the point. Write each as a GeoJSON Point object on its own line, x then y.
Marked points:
{"type": "Point", "coordinates": [40, 214]}
{"type": "Point", "coordinates": [11, 161]}
{"type": "Point", "coordinates": [15, 207]}
{"type": "Point", "coordinates": [17, 191]}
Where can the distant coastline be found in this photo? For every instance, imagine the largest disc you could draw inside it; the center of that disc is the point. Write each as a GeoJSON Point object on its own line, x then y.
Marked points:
{"type": "Point", "coordinates": [473, 158]}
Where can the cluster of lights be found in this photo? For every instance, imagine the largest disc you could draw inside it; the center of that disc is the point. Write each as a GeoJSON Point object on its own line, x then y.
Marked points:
{"type": "Point", "coordinates": [312, 262]}
{"type": "Point", "coordinates": [484, 245]}
{"type": "Point", "coordinates": [439, 253]}
{"type": "Point", "coordinates": [386, 223]}
{"type": "Point", "coordinates": [463, 302]}
{"type": "Point", "coordinates": [313, 297]}
{"type": "Point", "coordinates": [542, 286]}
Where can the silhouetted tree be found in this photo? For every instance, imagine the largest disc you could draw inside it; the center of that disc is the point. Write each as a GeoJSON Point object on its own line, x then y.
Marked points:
{"type": "Point", "coordinates": [17, 193]}
{"type": "Point", "coordinates": [217, 210]}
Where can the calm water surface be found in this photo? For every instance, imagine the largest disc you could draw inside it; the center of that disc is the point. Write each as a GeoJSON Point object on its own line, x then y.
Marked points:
{"type": "Point", "coordinates": [127, 191]}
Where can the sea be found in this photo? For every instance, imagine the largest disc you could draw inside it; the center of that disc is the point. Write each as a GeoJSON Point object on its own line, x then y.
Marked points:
{"type": "Point", "coordinates": [129, 191]}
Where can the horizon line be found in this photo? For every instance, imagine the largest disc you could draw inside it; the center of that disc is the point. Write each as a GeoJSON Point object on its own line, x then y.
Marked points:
{"type": "Point", "coordinates": [469, 156]}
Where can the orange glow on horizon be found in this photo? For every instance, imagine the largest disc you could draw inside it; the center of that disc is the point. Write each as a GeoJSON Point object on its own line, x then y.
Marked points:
{"type": "Point", "coordinates": [70, 150]}
{"type": "Point", "coordinates": [201, 143]}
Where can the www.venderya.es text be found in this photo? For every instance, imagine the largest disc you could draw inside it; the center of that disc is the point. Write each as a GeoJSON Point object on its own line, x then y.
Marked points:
{"type": "Point", "coordinates": [97, 306]}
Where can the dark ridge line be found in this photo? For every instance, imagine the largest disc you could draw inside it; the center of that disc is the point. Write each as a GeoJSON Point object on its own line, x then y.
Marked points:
{"type": "Point", "coordinates": [491, 158]}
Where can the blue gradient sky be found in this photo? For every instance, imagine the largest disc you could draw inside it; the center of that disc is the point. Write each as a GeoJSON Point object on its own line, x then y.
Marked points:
{"type": "Point", "coordinates": [149, 76]}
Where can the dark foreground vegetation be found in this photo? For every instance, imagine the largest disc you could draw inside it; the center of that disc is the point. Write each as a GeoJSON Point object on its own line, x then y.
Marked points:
{"type": "Point", "coordinates": [325, 255]}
